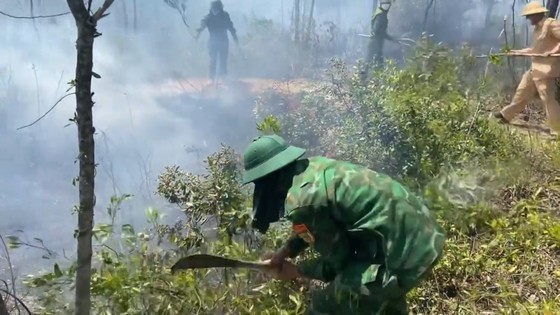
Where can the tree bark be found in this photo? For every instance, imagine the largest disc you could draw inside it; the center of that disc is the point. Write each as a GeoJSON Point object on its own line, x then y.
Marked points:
{"type": "Point", "coordinates": [297, 6]}
{"type": "Point", "coordinates": [310, 22]}
{"type": "Point", "coordinates": [135, 12]}
{"type": "Point", "coordinates": [3, 307]}
{"type": "Point", "coordinates": [426, 12]}
{"type": "Point", "coordinates": [125, 15]}
{"type": "Point", "coordinates": [86, 26]}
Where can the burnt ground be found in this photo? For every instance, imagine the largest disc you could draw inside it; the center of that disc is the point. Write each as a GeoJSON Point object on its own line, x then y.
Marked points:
{"type": "Point", "coordinates": [222, 113]}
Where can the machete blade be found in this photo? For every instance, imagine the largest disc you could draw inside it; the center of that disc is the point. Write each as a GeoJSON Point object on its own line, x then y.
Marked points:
{"type": "Point", "coordinates": [201, 261]}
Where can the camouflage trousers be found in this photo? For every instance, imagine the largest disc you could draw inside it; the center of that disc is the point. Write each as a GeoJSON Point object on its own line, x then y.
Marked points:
{"type": "Point", "coordinates": [363, 289]}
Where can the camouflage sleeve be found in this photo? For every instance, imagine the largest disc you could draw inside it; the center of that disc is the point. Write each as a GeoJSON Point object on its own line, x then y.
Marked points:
{"type": "Point", "coordinates": [317, 269]}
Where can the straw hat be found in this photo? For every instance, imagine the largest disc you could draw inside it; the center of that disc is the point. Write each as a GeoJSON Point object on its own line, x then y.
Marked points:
{"type": "Point", "coordinates": [534, 8]}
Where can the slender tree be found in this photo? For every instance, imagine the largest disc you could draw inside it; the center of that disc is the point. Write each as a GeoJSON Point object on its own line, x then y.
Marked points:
{"type": "Point", "coordinates": [86, 23]}
{"type": "Point", "coordinates": [296, 20]}
{"type": "Point", "coordinates": [552, 6]}
{"type": "Point", "coordinates": [3, 307]}
{"type": "Point", "coordinates": [135, 15]}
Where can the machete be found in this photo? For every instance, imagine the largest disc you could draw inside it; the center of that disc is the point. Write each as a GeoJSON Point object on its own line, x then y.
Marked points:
{"type": "Point", "coordinates": [201, 261]}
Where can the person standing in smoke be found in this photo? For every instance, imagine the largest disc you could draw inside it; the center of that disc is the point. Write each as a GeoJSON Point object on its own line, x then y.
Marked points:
{"type": "Point", "coordinates": [218, 23]}
{"type": "Point", "coordinates": [379, 24]}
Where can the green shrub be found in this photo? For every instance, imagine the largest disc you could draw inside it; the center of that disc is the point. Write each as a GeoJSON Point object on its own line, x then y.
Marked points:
{"type": "Point", "coordinates": [422, 124]}
{"type": "Point", "coordinates": [409, 123]}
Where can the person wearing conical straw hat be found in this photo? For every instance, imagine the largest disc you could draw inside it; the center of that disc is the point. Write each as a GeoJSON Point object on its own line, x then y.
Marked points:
{"type": "Point", "coordinates": [541, 78]}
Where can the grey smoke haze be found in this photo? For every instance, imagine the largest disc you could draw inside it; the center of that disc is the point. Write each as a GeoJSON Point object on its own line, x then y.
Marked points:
{"type": "Point", "coordinates": [137, 133]}
{"type": "Point", "coordinates": [141, 121]}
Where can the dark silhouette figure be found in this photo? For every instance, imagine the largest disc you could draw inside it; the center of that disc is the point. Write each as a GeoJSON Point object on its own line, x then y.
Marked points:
{"type": "Point", "coordinates": [378, 35]}
{"type": "Point", "coordinates": [218, 23]}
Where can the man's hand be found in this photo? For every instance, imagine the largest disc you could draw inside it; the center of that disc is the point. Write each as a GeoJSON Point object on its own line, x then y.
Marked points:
{"type": "Point", "coordinates": [277, 258]}
{"type": "Point", "coordinates": [288, 272]}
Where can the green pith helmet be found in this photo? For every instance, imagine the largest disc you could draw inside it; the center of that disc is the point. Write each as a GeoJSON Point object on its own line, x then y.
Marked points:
{"type": "Point", "coordinates": [268, 154]}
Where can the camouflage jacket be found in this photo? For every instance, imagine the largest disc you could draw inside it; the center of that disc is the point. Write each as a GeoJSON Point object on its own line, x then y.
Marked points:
{"type": "Point", "coordinates": [379, 24]}
{"type": "Point", "coordinates": [349, 213]}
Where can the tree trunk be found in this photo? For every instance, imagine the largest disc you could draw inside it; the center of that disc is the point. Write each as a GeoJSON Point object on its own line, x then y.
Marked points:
{"type": "Point", "coordinates": [552, 6]}
{"type": "Point", "coordinates": [3, 307]}
{"type": "Point", "coordinates": [84, 117]}
{"type": "Point", "coordinates": [426, 12]}
{"type": "Point", "coordinates": [135, 20]}
{"type": "Point", "coordinates": [310, 23]}
{"type": "Point", "coordinates": [86, 25]}
{"type": "Point", "coordinates": [297, 7]}
{"type": "Point", "coordinates": [125, 15]}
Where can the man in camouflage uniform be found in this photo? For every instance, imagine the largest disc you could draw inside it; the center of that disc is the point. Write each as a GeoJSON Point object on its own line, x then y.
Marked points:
{"type": "Point", "coordinates": [218, 23]}
{"type": "Point", "coordinates": [379, 24]}
{"type": "Point", "coordinates": [378, 35]}
{"type": "Point", "coordinates": [375, 239]}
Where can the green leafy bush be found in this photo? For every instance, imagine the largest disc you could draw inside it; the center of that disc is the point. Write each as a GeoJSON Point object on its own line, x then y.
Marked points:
{"type": "Point", "coordinates": [423, 124]}
{"type": "Point", "coordinates": [426, 125]}
{"type": "Point", "coordinates": [409, 123]}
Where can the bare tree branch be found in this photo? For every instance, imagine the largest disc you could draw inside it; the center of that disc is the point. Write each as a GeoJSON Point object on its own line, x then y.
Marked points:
{"type": "Point", "coordinates": [100, 12]}
{"type": "Point", "coordinates": [11, 268]}
{"type": "Point", "coordinates": [47, 112]}
{"type": "Point", "coordinates": [34, 16]}
{"type": "Point", "coordinates": [181, 8]}
{"type": "Point", "coordinates": [18, 301]}
{"type": "Point", "coordinates": [426, 12]}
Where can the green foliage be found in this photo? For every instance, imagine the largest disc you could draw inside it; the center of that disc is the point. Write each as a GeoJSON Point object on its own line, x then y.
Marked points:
{"type": "Point", "coordinates": [422, 124]}
{"type": "Point", "coordinates": [269, 125]}
{"type": "Point", "coordinates": [413, 121]}
{"type": "Point", "coordinates": [132, 276]}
